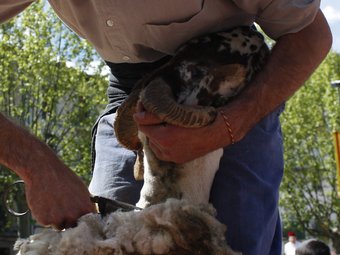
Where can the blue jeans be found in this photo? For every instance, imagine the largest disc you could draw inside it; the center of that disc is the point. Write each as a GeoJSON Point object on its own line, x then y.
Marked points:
{"type": "Point", "coordinates": [245, 191]}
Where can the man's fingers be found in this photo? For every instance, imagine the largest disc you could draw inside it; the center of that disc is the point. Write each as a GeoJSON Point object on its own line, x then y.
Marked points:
{"type": "Point", "coordinates": [59, 227]}
{"type": "Point", "coordinates": [64, 223]}
{"type": "Point", "coordinates": [156, 150]}
{"type": "Point", "coordinates": [63, 216]}
{"type": "Point", "coordinates": [67, 224]}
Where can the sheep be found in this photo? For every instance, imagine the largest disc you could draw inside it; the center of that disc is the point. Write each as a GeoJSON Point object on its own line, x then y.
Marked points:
{"type": "Point", "coordinates": [177, 218]}
{"type": "Point", "coordinates": [207, 72]}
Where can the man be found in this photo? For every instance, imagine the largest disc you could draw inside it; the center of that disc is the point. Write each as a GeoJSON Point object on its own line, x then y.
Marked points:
{"type": "Point", "coordinates": [291, 245]}
{"type": "Point", "coordinates": [127, 34]}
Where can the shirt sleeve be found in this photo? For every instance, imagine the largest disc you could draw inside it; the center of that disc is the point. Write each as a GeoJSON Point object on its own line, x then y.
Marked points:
{"type": "Point", "coordinates": [280, 17]}
{"type": "Point", "coordinates": [10, 8]}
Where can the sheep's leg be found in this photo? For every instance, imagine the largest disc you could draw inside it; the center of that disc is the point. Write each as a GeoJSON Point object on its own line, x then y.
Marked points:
{"type": "Point", "coordinates": [160, 178]}
{"type": "Point", "coordinates": [196, 177]}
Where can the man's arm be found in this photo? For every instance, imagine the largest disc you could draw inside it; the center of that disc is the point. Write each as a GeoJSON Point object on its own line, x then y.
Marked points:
{"type": "Point", "coordinates": [293, 59]}
{"type": "Point", "coordinates": [55, 195]}
{"type": "Point", "coordinates": [9, 8]}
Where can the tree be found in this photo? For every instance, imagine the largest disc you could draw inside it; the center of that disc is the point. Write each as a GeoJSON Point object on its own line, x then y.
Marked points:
{"type": "Point", "coordinates": [38, 89]}
{"type": "Point", "coordinates": [309, 198]}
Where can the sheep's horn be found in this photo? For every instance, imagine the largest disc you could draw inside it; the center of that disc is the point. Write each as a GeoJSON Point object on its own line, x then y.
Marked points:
{"type": "Point", "coordinates": [125, 127]}
{"type": "Point", "coordinates": [157, 98]}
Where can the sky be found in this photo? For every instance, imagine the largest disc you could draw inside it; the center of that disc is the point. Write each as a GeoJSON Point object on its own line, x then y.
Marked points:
{"type": "Point", "coordinates": [331, 9]}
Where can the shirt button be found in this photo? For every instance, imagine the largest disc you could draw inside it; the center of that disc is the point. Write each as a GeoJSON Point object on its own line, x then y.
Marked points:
{"type": "Point", "coordinates": [110, 22]}
{"type": "Point", "coordinates": [126, 58]}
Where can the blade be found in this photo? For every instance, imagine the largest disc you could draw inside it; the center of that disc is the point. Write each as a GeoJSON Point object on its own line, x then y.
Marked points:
{"type": "Point", "coordinates": [113, 204]}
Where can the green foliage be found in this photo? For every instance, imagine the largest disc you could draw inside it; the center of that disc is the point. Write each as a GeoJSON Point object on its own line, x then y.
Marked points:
{"type": "Point", "coordinates": [38, 90]}
{"type": "Point", "coordinates": [309, 198]}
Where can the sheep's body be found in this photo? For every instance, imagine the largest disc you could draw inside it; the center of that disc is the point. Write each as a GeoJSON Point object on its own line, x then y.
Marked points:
{"type": "Point", "coordinates": [174, 227]}
{"type": "Point", "coordinates": [205, 72]}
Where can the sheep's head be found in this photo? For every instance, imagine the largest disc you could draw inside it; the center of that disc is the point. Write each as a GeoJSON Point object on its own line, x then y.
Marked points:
{"type": "Point", "coordinates": [162, 99]}
{"type": "Point", "coordinates": [204, 73]}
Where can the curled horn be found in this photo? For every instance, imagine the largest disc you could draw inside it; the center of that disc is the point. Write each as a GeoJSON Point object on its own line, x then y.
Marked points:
{"type": "Point", "coordinates": [125, 127]}
{"type": "Point", "coordinates": [127, 132]}
{"type": "Point", "coordinates": [157, 97]}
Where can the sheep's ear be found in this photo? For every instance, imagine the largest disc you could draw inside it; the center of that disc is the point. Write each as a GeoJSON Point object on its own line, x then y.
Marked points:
{"type": "Point", "coordinates": [138, 170]}
{"type": "Point", "coordinates": [125, 127]}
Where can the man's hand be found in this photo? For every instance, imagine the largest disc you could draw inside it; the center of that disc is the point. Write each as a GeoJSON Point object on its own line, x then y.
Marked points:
{"type": "Point", "coordinates": [58, 197]}
{"type": "Point", "coordinates": [179, 144]}
{"type": "Point", "coordinates": [55, 195]}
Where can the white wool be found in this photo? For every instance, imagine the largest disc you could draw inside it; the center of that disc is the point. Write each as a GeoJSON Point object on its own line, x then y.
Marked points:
{"type": "Point", "coordinates": [158, 229]}
{"type": "Point", "coordinates": [42, 243]}
{"type": "Point", "coordinates": [82, 239]}
{"type": "Point", "coordinates": [162, 243]}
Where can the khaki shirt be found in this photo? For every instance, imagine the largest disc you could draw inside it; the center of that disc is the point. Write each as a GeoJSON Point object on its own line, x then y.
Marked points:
{"type": "Point", "coordinates": [146, 30]}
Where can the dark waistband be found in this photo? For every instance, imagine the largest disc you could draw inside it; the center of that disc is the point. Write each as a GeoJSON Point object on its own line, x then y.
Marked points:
{"type": "Point", "coordinates": [134, 71]}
